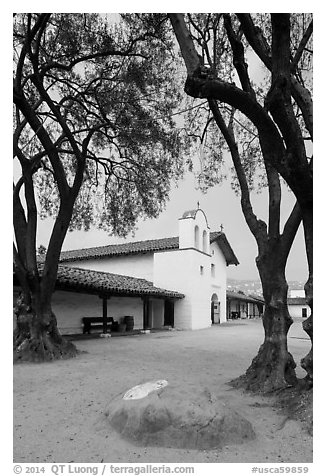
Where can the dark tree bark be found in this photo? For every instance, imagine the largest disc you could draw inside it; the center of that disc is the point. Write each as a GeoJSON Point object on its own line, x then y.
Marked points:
{"type": "Point", "coordinates": [273, 368]}
{"type": "Point", "coordinates": [284, 85]}
{"type": "Point", "coordinates": [307, 361]}
{"type": "Point", "coordinates": [282, 146]}
{"type": "Point", "coordinates": [36, 336]}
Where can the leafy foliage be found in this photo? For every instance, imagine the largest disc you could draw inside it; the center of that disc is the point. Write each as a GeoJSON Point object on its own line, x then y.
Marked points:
{"type": "Point", "coordinates": [101, 97]}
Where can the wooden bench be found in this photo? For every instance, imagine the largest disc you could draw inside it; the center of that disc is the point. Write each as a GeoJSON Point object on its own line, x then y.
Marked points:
{"type": "Point", "coordinates": [235, 315]}
{"type": "Point", "coordinates": [95, 322]}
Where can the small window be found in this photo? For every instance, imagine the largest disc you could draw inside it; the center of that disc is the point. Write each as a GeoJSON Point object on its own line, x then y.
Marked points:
{"type": "Point", "coordinates": [201, 269]}
{"type": "Point", "coordinates": [304, 312]}
{"type": "Point", "coordinates": [213, 270]}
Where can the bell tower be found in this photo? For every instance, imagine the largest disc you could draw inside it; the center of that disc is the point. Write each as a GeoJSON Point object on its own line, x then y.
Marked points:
{"type": "Point", "coordinates": [188, 270]}
{"type": "Point", "coordinates": [194, 231]}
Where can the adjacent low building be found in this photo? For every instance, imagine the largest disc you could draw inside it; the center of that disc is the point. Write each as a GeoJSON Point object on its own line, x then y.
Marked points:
{"type": "Point", "coordinates": [241, 306]}
{"type": "Point", "coordinates": [298, 308]}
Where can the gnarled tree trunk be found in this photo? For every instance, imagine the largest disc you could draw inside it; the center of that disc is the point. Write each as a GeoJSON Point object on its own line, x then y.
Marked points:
{"type": "Point", "coordinates": [36, 336]}
{"type": "Point", "coordinates": [284, 153]}
{"type": "Point", "coordinates": [273, 367]}
{"type": "Point", "coordinates": [307, 361]}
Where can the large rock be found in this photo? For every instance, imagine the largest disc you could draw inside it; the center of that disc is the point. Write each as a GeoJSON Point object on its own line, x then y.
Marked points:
{"type": "Point", "coordinates": [177, 417]}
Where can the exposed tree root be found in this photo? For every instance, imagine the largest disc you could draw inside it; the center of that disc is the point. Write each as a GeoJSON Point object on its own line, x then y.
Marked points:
{"type": "Point", "coordinates": [42, 349]}
{"type": "Point", "coordinates": [268, 372]}
{"type": "Point", "coordinates": [37, 339]}
{"type": "Point", "coordinates": [297, 404]}
{"type": "Point", "coordinates": [307, 365]}
{"type": "Point", "coordinates": [307, 361]}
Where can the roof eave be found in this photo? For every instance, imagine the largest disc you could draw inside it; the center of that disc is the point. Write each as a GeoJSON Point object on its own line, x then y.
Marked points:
{"type": "Point", "coordinates": [80, 288]}
{"type": "Point", "coordinates": [226, 249]}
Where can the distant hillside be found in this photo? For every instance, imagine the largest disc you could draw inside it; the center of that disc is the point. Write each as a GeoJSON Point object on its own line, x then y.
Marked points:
{"type": "Point", "coordinates": [253, 286]}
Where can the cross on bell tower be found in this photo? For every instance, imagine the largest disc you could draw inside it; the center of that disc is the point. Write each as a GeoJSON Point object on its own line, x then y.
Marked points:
{"type": "Point", "coordinates": [221, 227]}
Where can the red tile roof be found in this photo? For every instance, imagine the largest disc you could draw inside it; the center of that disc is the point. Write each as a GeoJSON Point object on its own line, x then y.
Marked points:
{"type": "Point", "coordinates": [99, 282]}
{"type": "Point", "coordinates": [233, 295]}
{"type": "Point", "coordinates": [147, 246]}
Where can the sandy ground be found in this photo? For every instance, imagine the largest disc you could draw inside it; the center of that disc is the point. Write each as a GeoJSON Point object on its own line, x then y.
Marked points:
{"type": "Point", "coordinates": [59, 407]}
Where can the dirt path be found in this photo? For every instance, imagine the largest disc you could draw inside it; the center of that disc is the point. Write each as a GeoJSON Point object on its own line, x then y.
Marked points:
{"type": "Point", "coordinates": [59, 407]}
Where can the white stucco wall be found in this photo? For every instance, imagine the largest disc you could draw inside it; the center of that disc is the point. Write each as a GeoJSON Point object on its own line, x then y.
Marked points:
{"type": "Point", "coordinates": [218, 283]}
{"type": "Point", "coordinates": [180, 270]}
{"type": "Point", "coordinates": [69, 309]}
{"type": "Point", "coordinates": [186, 233]}
{"type": "Point", "coordinates": [189, 271]}
{"type": "Point", "coordinates": [138, 266]}
{"type": "Point", "coordinates": [127, 306]}
{"type": "Point", "coordinates": [297, 293]}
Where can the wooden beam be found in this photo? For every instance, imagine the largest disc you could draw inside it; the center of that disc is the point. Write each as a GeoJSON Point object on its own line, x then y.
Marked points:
{"type": "Point", "coordinates": [145, 312]}
{"type": "Point", "coordinates": [105, 314]}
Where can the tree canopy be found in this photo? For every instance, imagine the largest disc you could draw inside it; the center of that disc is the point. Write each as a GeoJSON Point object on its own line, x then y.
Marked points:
{"type": "Point", "coordinates": [90, 98]}
{"type": "Point", "coordinates": [94, 136]}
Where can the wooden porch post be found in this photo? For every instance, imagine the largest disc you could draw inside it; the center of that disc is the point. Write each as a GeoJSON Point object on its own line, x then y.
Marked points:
{"type": "Point", "coordinates": [145, 312]}
{"type": "Point", "coordinates": [105, 314]}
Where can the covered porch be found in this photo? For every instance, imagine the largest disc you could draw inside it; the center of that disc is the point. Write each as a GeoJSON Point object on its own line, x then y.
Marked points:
{"type": "Point", "coordinates": [241, 306]}
{"type": "Point", "coordinates": [90, 302]}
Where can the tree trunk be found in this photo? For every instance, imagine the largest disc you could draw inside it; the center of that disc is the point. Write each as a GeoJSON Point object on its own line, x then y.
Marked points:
{"type": "Point", "coordinates": [36, 336]}
{"type": "Point", "coordinates": [273, 367]}
{"type": "Point", "coordinates": [307, 361]}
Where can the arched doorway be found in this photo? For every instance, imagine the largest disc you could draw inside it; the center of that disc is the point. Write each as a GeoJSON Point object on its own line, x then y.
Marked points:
{"type": "Point", "coordinates": [215, 309]}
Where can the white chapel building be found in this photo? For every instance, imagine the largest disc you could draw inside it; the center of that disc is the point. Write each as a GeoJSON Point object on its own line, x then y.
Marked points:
{"type": "Point", "coordinates": [178, 282]}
